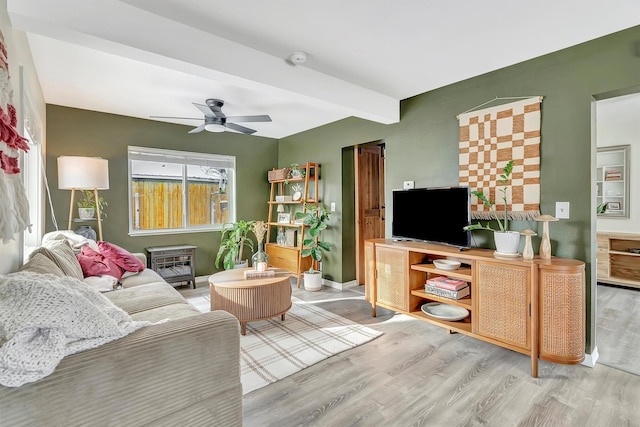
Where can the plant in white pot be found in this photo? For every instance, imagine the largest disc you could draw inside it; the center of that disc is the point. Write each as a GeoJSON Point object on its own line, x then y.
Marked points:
{"type": "Point", "coordinates": [506, 241]}
{"type": "Point", "coordinates": [233, 238]}
{"type": "Point", "coordinates": [316, 218]}
{"type": "Point", "coordinates": [87, 205]}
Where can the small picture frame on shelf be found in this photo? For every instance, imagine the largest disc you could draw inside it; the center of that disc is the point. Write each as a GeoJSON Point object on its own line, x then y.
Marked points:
{"type": "Point", "coordinates": [613, 206]}
{"type": "Point", "coordinates": [284, 218]}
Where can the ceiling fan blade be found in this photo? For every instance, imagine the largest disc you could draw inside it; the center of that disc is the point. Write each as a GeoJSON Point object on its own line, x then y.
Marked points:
{"type": "Point", "coordinates": [198, 129]}
{"type": "Point", "coordinates": [240, 129]}
{"type": "Point", "coordinates": [205, 110]}
{"type": "Point", "coordinates": [261, 118]}
{"type": "Point", "coordinates": [169, 117]}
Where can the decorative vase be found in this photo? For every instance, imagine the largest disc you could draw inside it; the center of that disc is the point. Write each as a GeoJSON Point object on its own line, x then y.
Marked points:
{"type": "Point", "coordinates": [281, 238]}
{"type": "Point", "coordinates": [507, 242]}
{"type": "Point", "coordinates": [86, 231]}
{"type": "Point", "coordinates": [260, 260]}
{"type": "Point", "coordinates": [313, 281]}
{"type": "Point", "coordinates": [86, 213]}
{"type": "Point", "coordinates": [545, 243]}
{"type": "Point", "coordinates": [527, 251]}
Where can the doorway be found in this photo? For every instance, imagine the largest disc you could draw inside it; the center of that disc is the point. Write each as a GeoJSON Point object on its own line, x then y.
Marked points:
{"type": "Point", "coordinates": [617, 123]}
{"type": "Point", "coordinates": [369, 199]}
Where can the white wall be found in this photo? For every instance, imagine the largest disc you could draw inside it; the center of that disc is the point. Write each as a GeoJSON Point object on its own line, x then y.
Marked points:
{"type": "Point", "coordinates": [618, 123]}
{"type": "Point", "coordinates": [19, 54]}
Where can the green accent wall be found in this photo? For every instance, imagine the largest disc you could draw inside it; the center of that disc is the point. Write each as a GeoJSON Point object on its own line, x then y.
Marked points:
{"type": "Point", "coordinates": [423, 146]}
{"type": "Point", "coordinates": [87, 133]}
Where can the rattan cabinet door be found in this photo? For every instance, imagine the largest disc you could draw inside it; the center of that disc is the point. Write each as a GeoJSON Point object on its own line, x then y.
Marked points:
{"type": "Point", "coordinates": [392, 289]}
{"type": "Point", "coordinates": [562, 313]}
{"type": "Point", "coordinates": [503, 297]}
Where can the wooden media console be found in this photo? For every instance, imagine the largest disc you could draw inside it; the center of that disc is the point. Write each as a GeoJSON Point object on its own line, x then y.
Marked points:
{"type": "Point", "coordinates": [535, 307]}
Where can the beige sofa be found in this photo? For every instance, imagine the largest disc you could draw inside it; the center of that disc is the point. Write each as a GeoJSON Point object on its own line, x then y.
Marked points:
{"type": "Point", "coordinates": [185, 371]}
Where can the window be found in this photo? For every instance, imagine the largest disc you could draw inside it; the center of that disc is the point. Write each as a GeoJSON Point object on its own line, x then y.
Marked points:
{"type": "Point", "coordinates": [176, 191]}
{"type": "Point", "coordinates": [32, 170]}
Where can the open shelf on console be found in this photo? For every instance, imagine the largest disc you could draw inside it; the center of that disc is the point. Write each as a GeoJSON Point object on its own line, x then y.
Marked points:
{"type": "Point", "coordinates": [462, 273]}
{"type": "Point", "coordinates": [462, 302]}
{"type": "Point", "coordinates": [462, 326]}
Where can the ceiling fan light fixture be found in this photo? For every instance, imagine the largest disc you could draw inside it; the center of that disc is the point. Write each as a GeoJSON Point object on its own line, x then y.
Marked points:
{"type": "Point", "coordinates": [214, 127]}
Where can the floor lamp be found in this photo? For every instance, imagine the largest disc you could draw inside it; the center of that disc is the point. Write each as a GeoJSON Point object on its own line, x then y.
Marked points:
{"type": "Point", "coordinates": [83, 173]}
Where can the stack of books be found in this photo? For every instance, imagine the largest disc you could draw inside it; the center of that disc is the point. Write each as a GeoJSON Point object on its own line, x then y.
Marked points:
{"type": "Point", "coordinates": [446, 287]}
{"type": "Point", "coordinates": [613, 175]}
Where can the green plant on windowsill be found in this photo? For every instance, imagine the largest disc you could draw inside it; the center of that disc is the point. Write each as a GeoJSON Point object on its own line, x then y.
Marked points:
{"type": "Point", "coordinates": [88, 201]}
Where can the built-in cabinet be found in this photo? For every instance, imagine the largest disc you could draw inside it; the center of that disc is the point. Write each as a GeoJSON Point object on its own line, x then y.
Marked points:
{"type": "Point", "coordinates": [612, 181]}
{"type": "Point", "coordinates": [535, 307]}
{"type": "Point", "coordinates": [618, 258]}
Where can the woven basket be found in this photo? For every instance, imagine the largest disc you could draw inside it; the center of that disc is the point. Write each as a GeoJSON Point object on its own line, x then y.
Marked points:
{"type": "Point", "coordinates": [277, 174]}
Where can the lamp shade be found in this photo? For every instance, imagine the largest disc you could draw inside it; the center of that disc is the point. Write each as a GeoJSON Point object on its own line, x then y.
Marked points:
{"type": "Point", "coordinates": [83, 173]}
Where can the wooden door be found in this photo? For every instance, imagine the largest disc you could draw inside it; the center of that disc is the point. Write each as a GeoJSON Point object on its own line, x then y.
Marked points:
{"type": "Point", "coordinates": [369, 206]}
{"type": "Point", "coordinates": [502, 304]}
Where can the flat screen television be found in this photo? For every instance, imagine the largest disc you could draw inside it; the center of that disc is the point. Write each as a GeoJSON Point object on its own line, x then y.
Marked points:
{"type": "Point", "coordinates": [434, 215]}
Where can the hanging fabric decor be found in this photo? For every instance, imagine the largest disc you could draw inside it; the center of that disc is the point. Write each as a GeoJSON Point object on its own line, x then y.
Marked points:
{"type": "Point", "coordinates": [14, 209]}
{"type": "Point", "coordinates": [489, 138]}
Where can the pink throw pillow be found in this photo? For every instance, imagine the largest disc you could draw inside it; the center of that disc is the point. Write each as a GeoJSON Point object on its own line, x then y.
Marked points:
{"type": "Point", "coordinates": [95, 264]}
{"type": "Point", "coordinates": [121, 257]}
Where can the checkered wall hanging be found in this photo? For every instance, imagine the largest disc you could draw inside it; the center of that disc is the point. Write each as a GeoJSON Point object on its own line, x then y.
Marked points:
{"type": "Point", "coordinates": [489, 138]}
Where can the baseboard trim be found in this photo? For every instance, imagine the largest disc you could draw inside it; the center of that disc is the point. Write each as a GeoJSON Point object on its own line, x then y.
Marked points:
{"type": "Point", "coordinates": [591, 359]}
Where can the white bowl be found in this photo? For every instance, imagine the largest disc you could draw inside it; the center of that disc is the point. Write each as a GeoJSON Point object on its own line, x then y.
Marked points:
{"type": "Point", "coordinates": [446, 264]}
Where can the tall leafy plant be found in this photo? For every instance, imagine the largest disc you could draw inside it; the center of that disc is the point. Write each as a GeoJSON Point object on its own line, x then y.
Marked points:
{"type": "Point", "coordinates": [233, 238]}
{"type": "Point", "coordinates": [504, 180]}
{"type": "Point", "coordinates": [317, 218]}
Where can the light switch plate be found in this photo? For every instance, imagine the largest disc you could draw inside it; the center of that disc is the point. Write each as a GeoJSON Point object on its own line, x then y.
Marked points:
{"type": "Point", "coordinates": [333, 206]}
{"type": "Point", "coordinates": [562, 210]}
{"type": "Point", "coordinates": [408, 185]}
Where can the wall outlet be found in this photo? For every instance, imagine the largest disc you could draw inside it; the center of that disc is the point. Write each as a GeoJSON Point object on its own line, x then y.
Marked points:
{"type": "Point", "coordinates": [408, 185]}
{"type": "Point", "coordinates": [562, 210]}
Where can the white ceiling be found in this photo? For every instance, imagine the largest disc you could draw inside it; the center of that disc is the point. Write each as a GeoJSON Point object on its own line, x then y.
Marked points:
{"type": "Point", "coordinates": [156, 57]}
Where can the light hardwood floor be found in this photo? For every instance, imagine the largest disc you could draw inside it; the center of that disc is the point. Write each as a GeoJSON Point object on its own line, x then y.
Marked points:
{"type": "Point", "coordinates": [418, 374]}
{"type": "Point", "coordinates": [618, 327]}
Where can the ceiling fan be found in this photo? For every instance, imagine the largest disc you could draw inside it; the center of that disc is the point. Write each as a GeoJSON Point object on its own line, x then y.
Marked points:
{"type": "Point", "coordinates": [216, 121]}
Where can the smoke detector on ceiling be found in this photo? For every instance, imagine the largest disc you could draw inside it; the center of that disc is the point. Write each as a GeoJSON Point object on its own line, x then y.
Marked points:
{"type": "Point", "coordinates": [298, 58]}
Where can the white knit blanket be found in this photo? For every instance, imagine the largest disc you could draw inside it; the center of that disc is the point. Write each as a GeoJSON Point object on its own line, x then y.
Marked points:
{"type": "Point", "coordinates": [44, 318]}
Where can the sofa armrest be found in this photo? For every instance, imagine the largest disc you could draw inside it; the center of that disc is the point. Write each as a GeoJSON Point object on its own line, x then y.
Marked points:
{"type": "Point", "coordinates": [142, 257]}
{"type": "Point", "coordinates": [184, 371]}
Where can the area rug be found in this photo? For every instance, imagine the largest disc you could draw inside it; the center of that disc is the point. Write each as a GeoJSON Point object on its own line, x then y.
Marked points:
{"type": "Point", "coordinates": [273, 349]}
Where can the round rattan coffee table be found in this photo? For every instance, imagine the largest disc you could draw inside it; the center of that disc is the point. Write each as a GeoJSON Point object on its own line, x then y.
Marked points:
{"type": "Point", "coordinates": [250, 299]}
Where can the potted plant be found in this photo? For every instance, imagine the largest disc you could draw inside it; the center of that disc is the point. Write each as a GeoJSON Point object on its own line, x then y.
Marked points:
{"type": "Point", "coordinates": [507, 242]}
{"type": "Point", "coordinates": [295, 172]}
{"type": "Point", "coordinates": [233, 238]}
{"type": "Point", "coordinates": [316, 218]}
{"type": "Point", "coordinates": [87, 205]}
